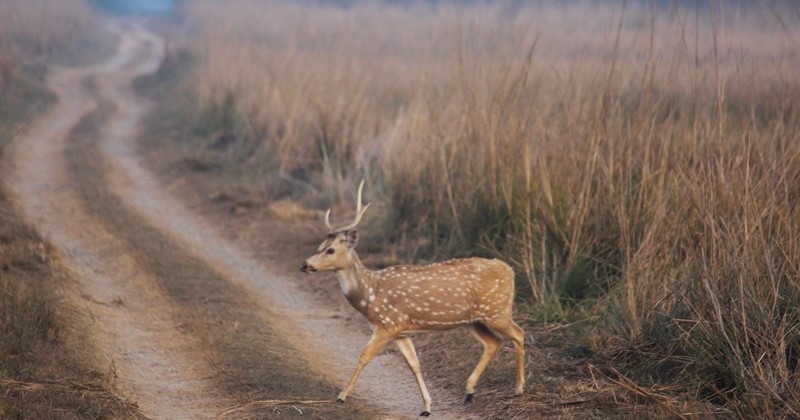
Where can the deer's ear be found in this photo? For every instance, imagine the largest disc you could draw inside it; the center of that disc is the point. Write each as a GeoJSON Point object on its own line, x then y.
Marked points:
{"type": "Point", "coordinates": [351, 238]}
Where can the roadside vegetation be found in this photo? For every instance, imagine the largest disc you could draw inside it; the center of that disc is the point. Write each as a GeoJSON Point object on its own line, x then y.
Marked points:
{"type": "Point", "coordinates": [637, 164]}
{"type": "Point", "coordinates": [46, 367]}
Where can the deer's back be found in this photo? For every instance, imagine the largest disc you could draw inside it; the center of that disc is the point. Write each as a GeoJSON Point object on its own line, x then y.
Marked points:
{"type": "Point", "coordinates": [444, 295]}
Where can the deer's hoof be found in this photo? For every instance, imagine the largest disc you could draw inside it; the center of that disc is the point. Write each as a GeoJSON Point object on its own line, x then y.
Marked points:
{"type": "Point", "coordinates": [340, 401]}
{"type": "Point", "coordinates": [468, 399]}
{"type": "Point", "coordinates": [425, 414]}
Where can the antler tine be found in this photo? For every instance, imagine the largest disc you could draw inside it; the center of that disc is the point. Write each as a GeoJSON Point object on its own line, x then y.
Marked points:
{"type": "Point", "coordinates": [358, 218]}
{"type": "Point", "coordinates": [359, 210]}
{"type": "Point", "coordinates": [358, 200]}
{"type": "Point", "coordinates": [328, 220]}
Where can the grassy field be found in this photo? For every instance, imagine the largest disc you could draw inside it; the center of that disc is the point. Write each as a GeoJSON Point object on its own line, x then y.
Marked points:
{"type": "Point", "coordinates": [46, 369]}
{"type": "Point", "coordinates": [638, 165]}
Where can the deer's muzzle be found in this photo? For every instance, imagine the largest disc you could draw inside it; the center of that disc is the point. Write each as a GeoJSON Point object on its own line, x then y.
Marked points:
{"type": "Point", "coordinates": [306, 268]}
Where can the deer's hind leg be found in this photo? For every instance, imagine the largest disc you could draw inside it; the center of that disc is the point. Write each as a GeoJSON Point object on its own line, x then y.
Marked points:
{"type": "Point", "coordinates": [490, 345]}
{"type": "Point", "coordinates": [510, 329]}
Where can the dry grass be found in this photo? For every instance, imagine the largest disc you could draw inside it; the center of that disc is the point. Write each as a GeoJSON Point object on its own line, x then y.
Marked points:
{"type": "Point", "coordinates": [637, 164]}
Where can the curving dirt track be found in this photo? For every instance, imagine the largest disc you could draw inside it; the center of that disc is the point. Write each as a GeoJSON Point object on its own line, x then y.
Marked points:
{"type": "Point", "coordinates": [191, 324]}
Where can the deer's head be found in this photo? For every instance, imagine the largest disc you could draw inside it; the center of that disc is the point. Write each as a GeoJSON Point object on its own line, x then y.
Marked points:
{"type": "Point", "coordinates": [335, 253]}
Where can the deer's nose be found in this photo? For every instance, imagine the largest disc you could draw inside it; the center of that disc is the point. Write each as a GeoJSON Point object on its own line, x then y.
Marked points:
{"type": "Point", "coordinates": [304, 267]}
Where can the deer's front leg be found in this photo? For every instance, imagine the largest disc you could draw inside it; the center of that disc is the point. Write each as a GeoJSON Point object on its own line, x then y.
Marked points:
{"type": "Point", "coordinates": [406, 347]}
{"type": "Point", "coordinates": [378, 340]}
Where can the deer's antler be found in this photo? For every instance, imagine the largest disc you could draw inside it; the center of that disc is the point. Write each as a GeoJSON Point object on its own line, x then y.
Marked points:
{"type": "Point", "coordinates": [359, 214]}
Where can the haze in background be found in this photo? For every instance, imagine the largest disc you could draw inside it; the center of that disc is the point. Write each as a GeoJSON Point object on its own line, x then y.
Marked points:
{"type": "Point", "coordinates": [136, 7]}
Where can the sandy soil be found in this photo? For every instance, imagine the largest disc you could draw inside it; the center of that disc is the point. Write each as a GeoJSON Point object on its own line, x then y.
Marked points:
{"type": "Point", "coordinates": [190, 322]}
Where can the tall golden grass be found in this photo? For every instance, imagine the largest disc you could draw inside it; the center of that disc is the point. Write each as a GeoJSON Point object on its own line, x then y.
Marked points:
{"type": "Point", "coordinates": [638, 162]}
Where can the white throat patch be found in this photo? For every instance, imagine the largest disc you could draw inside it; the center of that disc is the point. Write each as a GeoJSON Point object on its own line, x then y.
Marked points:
{"type": "Point", "coordinates": [346, 283]}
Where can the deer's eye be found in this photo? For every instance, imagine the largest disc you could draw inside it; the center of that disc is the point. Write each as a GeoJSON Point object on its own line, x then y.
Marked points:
{"type": "Point", "coordinates": [330, 251]}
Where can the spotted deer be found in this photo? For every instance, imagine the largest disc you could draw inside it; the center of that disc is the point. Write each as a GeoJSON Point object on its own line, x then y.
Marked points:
{"type": "Point", "coordinates": [475, 293]}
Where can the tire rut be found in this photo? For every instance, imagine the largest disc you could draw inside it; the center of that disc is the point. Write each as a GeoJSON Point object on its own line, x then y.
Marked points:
{"type": "Point", "coordinates": [231, 327]}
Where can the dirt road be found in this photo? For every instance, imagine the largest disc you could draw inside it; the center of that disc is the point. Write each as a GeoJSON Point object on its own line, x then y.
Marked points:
{"type": "Point", "coordinates": [190, 324]}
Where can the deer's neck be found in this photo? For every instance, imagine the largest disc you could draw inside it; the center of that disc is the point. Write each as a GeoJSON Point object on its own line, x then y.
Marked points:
{"type": "Point", "coordinates": [358, 284]}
